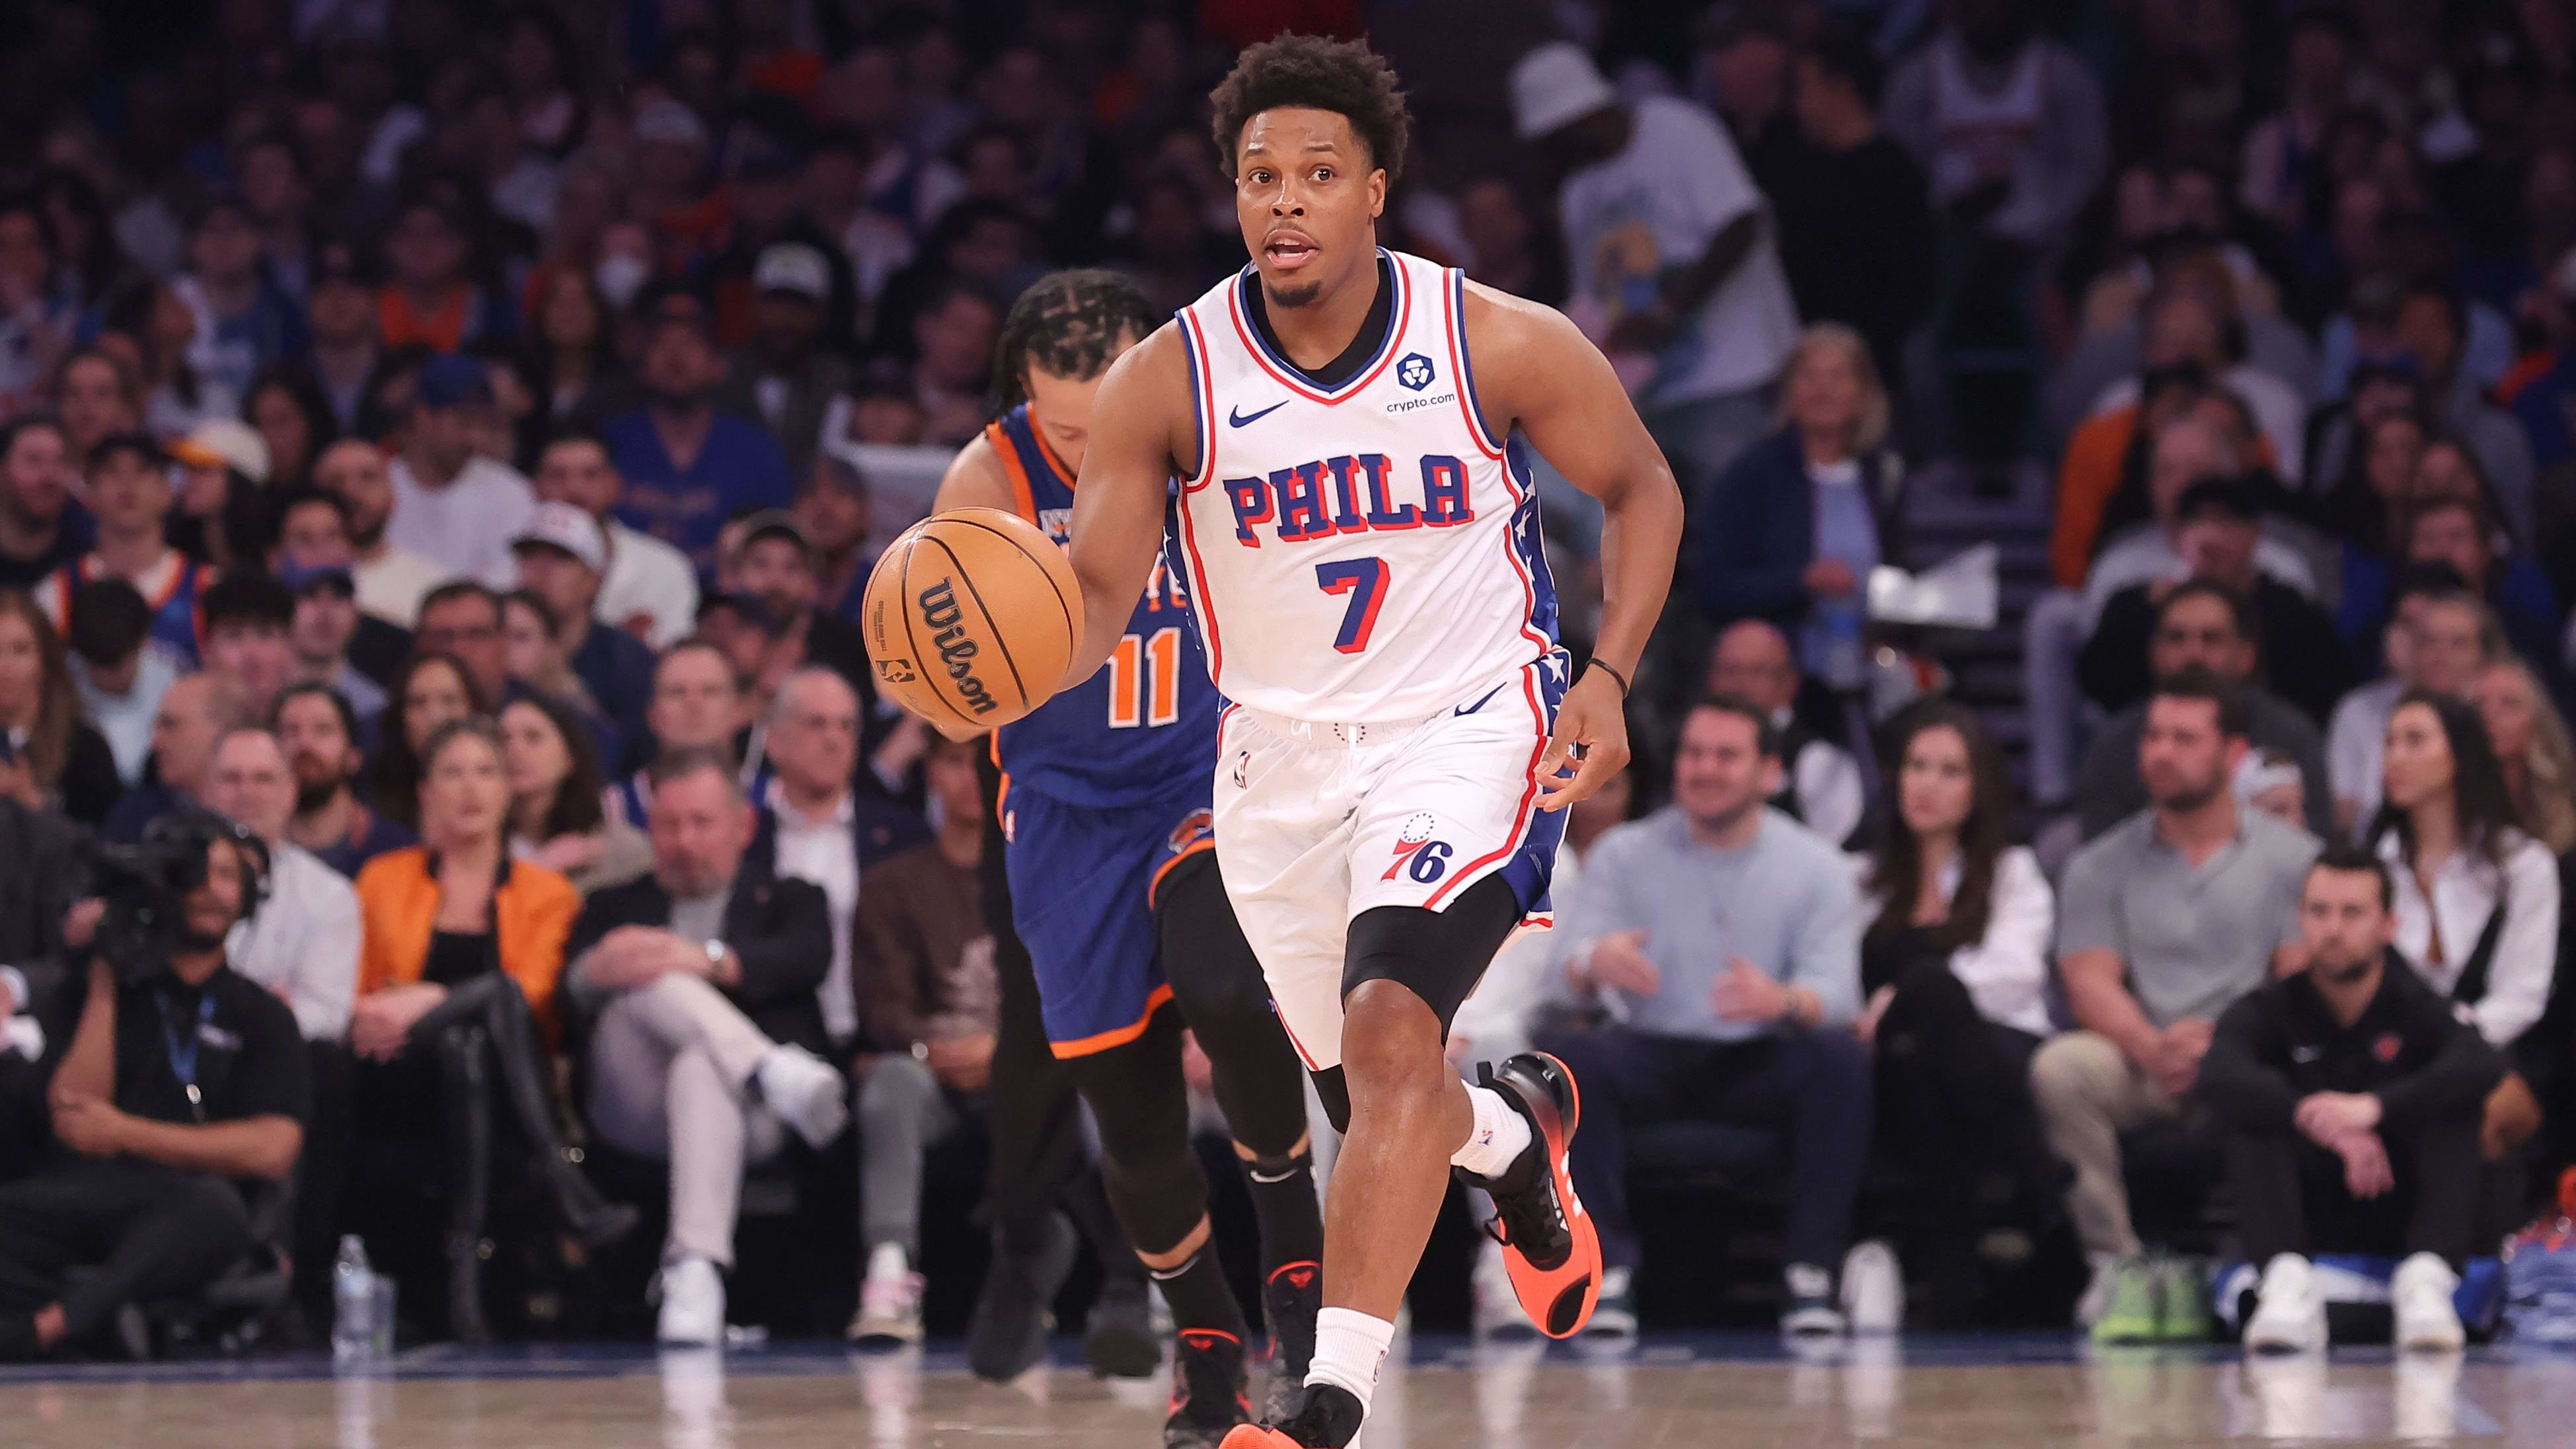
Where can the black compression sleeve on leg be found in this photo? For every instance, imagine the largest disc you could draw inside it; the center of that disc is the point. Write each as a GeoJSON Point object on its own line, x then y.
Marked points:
{"type": "Point", "coordinates": [1143, 1114]}
{"type": "Point", "coordinates": [1225, 1001]}
{"type": "Point", "coordinates": [1335, 1091]}
{"type": "Point", "coordinates": [1283, 1200]}
{"type": "Point", "coordinates": [1437, 955]}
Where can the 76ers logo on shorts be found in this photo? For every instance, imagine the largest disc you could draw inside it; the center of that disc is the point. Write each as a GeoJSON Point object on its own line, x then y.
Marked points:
{"type": "Point", "coordinates": [1414, 847]}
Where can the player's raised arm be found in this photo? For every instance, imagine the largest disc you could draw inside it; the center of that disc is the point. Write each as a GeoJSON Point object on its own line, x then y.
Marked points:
{"type": "Point", "coordinates": [1126, 478]}
{"type": "Point", "coordinates": [1534, 370]}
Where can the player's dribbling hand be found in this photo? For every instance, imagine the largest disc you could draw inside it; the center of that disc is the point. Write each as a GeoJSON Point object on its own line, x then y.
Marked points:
{"type": "Point", "coordinates": [1594, 716]}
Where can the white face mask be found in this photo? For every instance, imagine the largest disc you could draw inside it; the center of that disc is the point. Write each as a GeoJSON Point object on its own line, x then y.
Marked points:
{"type": "Point", "coordinates": [620, 277]}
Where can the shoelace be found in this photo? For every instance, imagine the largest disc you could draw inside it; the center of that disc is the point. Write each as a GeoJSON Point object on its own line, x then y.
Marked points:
{"type": "Point", "coordinates": [1530, 1219]}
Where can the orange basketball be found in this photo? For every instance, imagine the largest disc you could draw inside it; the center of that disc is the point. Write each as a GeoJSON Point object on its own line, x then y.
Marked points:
{"type": "Point", "coordinates": [971, 617]}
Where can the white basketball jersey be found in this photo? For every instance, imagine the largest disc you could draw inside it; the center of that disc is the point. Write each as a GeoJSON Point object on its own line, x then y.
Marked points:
{"type": "Point", "coordinates": [1364, 553]}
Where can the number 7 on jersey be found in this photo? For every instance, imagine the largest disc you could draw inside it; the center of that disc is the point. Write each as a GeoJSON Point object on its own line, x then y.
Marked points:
{"type": "Point", "coordinates": [1364, 579]}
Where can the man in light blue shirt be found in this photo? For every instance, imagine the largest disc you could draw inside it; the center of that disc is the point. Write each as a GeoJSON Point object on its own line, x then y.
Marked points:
{"type": "Point", "coordinates": [1723, 938]}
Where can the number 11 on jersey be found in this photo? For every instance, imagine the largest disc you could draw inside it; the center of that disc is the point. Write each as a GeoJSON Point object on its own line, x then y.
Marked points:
{"type": "Point", "coordinates": [1364, 579]}
{"type": "Point", "coordinates": [1145, 680]}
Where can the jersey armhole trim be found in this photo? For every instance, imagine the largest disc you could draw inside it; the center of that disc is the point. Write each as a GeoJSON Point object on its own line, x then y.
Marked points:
{"type": "Point", "coordinates": [1463, 369]}
{"type": "Point", "coordinates": [1023, 500]}
{"type": "Point", "coordinates": [1202, 401]}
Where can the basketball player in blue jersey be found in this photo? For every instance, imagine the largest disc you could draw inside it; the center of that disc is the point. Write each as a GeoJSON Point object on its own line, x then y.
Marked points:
{"type": "Point", "coordinates": [1351, 429]}
{"type": "Point", "coordinates": [1114, 888]}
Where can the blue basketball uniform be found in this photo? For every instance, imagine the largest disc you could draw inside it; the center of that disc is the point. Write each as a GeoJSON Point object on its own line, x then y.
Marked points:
{"type": "Point", "coordinates": [1106, 787]}
{"type": "Point", "coordinates": [173, 599]}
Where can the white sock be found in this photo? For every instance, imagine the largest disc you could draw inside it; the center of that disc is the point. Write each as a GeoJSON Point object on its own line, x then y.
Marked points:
{"type": "Point", "coordinates": [1497, 1139]}
{"type": "Point", "coordinates": [1350, 1349]}
{"type": "Point", "coordinates": [887, 1262]}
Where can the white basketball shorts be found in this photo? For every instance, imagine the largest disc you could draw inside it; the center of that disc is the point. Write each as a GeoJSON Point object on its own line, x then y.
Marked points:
{"type": "Point", "coordinates": [1317, 823]}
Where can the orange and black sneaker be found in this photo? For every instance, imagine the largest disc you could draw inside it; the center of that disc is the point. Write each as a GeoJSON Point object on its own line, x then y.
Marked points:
{"type": "Point", "coordinates": [1207, 1390]}
{"type": "Point", "coordinates": [1549, 1244]}
{"type": "Point", "coordinates": [1320, 1416]}
{"type": "Point", "coordinates": [1290, 1301]}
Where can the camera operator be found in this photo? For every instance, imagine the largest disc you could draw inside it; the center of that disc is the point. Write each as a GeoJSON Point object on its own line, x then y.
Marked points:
{"type": "Point", "coordinates": [182, 1080]}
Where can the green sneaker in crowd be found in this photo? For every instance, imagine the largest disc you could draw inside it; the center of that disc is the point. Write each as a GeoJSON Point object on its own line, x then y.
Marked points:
{"type": "Point", "coordinates": [2183, 1294]}
{"type": "Point", "coordinates": [2130, 1315]}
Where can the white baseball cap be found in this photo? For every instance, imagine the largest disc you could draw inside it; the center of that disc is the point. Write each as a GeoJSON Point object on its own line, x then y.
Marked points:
{"type": "Point", "coordinates": [793, 267]}
{"type": "Point", "coordinates": [1554, 85]}
{"type": "Point", "coordinates": [225, 443]}
{"type": "Point", "coordinates": [560, 525]}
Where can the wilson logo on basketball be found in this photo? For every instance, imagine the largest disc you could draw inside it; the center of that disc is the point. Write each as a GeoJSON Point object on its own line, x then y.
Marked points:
{"type": "Point", "coordinates": [939, 610]}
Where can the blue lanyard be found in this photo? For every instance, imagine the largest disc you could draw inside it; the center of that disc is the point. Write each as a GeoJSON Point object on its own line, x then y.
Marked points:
{"type": "Point", "coordinates": [183, 1048]}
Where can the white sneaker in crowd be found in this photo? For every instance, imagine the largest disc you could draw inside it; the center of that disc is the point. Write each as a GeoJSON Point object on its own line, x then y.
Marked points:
{"type": "Point", "coordinates": [805, 1092]}
{"type": "Point", "coordinates": [693, 1304]}
{"type": "Point", "coordinates": [1873, 1293]}
{"type": "Point", "coordinates": [2421, 1297]}
{"type": "Point", "coordinates": [2289, 1314]}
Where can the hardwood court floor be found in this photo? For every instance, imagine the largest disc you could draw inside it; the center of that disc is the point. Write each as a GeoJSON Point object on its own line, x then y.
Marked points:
{"type": "Point", "coordinates": [1682, 1393]}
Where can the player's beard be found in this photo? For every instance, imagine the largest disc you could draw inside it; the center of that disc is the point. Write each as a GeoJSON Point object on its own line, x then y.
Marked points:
{"type": "Point", "coordinates": [1303, 295]}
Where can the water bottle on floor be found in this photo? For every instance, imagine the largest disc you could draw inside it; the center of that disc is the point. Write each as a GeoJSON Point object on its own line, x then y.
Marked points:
{"type": "Point", "coordinates": [353, 1303]}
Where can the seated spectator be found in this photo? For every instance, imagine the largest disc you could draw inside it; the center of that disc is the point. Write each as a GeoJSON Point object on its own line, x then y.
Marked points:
{"type": "Point", "coordinates": [786, 376]}
{"type": "Point", "coordinates": [2364, 503]}
{"type": "Point", "coordinates": [452, 505]}
{"type": "Point", "coordinates": [129, 492]}
{"type": "Point", "coordinates": [319, 731]}
{"type": "Point", "coordinates": [2454, 530]}
{"type": "Point", "coordinates": [1810, 511]}
{"type": "Point", "coordinates": [120, 680]}
{"type": "Point", "coordinates": [2217, 531]}
{"type": "Point", "coordinates": [2201, 625]}
{"type": "Point", "coordinates": [429, 300]}
{"type": "Point", "coordinates": [2162, 924]}
{"type": "Point", "coordinates": [697, 700]}
{"type": "Point", "coordinates": [1954, 956]}
{"type": "Point", "coordinates": [2106, 459]}
{"type": "Point", "coordinates": [1820, 783]}
{"type": "Point", "coordinates": [563, 557]}
{"type": "Point", "coordinates": [2188, 452]}
{"type": "Point", "coordinates": [146, 1197]}
{"type": "Point", "coordinates": [775, 563]}
{"type": "Point", "coordinates": [2350, 1098]}
{"type": "Point", "coordinates": [49, 755]}
{"type": "Point", "coordinates": [648, 588]}
{"type": "Point", "coordinates": [930, 1012]}
{"type": "Point", "coordinates": [1749, 1026]}
{"type": "Point", "coordinates": [1688, 284]}
{"type": "Point", "coordinates": [286, 407]}
{"type": "Point", "coordinates": [326, 623]}
{"type": "Point", "coordinates": [221, 512]}
{"type": "Point", "coordinates": [2477, 898]}
{"type": "Point", "coordinates": [2532, 747]}
{"type": "Point", "coordinates": [2432, 328]}
{"type": "Point", "coordinates": [246, 619]}
{"type": "Point", "coordinates": [431, 690]}
{"type": "Point", "coordinates": [699, 984]}
{"type": "Point", "coordinates": [556, 795]}
{"type": "Point", "coordinates": [2181, 322]}
{"type": "Point", "coordinates": [532, 649]}
{"type": "Point", "coordinates": [815, 825]}
{"type": "Point", "coordinates": [50, 872]}
{"type": "Point", "coordinates": [301, 939]}
{"type": "Point", "coordinates": [391, 579]}
{"type": "Point", "coordinates": [456, 996]}
{"type": "Point", "coordinates": [462, 620]}
{"type": "Point", "coordinates": [678, 452]}
{"type": "Point", "coordinates": [42, 527]}
{"type": "Point", "coordinates": [2438, 638]}
{"type": "Point", "coordinates": [833, 508]}
{"type": "Point", "coordinates": [195, 712]}
{"type": "Point", "coordinates": [1853, 204]}
{"type": "Point", "coordinates": [312, 542]}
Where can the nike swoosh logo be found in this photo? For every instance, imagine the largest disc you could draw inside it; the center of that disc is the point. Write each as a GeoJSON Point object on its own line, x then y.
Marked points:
{"type": "Point", "coordinates": [1235, 418]}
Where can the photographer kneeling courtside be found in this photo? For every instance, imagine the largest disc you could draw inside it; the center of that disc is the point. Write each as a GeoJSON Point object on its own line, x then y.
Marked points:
{"type": "Point", "coordinates": [182, 1080]}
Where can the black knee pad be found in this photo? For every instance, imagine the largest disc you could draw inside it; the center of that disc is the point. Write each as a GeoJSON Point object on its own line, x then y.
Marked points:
{"type": "Point", "coordinates": [1217, 983]}
{"type": "Point", "coordinates": [1437, 955]}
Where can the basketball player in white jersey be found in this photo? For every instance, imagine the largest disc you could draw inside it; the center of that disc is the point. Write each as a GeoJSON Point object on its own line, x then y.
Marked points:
{"type": "Point", "coordinates": [1352, 428]}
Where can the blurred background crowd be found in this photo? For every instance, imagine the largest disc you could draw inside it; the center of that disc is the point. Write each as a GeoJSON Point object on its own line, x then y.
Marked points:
{"type": "Point", "coordinates": [448, 438]}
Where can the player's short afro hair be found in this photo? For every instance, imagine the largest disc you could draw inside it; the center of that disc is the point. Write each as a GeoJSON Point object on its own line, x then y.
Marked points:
{"type": "Point", "coordinates": [1342, 76]}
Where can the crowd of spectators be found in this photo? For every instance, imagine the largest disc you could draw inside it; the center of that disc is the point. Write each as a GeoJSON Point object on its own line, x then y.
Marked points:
{"type": "Point", "coordinates": [448, 440]}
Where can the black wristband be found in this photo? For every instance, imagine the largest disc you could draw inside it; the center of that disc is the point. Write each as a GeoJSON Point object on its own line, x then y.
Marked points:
{"type": "Point", "coordinates": [1614, 674]}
